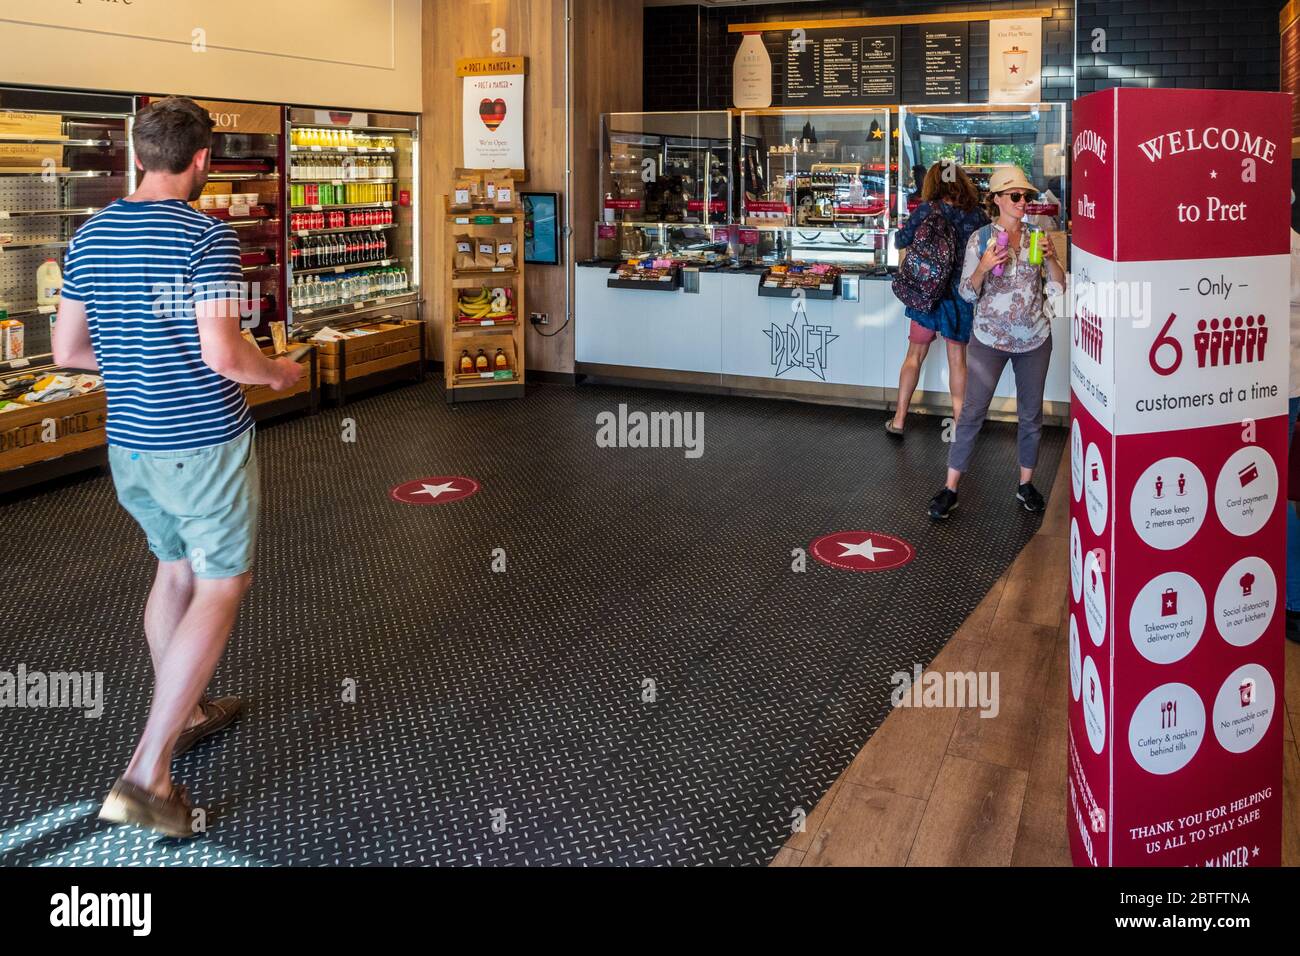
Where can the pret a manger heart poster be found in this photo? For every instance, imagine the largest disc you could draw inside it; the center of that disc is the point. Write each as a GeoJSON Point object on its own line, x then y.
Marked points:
{"type": "Point", "coordinates": [492, 112]}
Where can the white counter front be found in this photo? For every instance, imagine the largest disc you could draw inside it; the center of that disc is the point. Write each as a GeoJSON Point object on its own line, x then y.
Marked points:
{"type": "Point", "coordinates": [812, 346]}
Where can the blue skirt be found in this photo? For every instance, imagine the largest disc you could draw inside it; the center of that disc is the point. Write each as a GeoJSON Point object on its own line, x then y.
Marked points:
{"type": "Point", "coordinates": [952, 318]}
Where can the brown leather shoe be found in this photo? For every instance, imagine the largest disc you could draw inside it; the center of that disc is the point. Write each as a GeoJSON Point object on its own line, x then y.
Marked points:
{"type": "Point", "coordinates": [171, 816]}
{"type": "Point", "coordinates": [218, 714]}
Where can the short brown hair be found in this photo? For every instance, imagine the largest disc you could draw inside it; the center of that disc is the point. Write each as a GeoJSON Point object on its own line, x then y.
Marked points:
{"type": "Point", "coordinates": [957, 188]}
{"type": "Point", "coordinates": [168, 132]}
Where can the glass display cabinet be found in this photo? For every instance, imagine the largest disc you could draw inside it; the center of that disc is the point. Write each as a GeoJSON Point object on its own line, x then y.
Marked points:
{"type": "Point", "coordinates": [665, 184]}
{"type": "Point", "coordinates": [816, 169]}
{"type": "Point", "coordinates": [353, 231]}
{"type": "Point", "coordinates": [983, 137]}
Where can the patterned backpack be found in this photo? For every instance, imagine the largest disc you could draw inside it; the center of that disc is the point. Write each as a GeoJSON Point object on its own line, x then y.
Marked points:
{"type": "Point", "coordinates": [926, 271]}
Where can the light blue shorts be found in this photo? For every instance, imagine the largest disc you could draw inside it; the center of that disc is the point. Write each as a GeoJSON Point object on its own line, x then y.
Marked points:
{"type": "Point", "coordinates": [200, 504]}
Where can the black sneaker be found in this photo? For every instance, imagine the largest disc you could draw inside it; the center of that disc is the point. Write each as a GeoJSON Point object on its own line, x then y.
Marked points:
{"type": "Point", "coordinates": [943, 504]}
{"type": "Point", "coordinates": [1028, 496]}
{"type": "Point", "coordinates": [1293, 625]}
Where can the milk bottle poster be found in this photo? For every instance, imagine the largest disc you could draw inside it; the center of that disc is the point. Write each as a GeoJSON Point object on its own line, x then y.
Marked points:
{"type": "Point", "coordinates": [1015, 61]}
{"type": "Point", "coordinates": [492, 114]}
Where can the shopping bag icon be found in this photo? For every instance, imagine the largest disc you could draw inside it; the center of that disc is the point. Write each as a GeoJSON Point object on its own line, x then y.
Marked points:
{"type": "Point", "coordinates": [1248, 474]}
{"type": "Point", "coordinates": [1168, 603]}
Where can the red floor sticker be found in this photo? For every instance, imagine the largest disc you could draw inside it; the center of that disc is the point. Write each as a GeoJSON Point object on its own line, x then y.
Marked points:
{"type": "Point", "coordinates": [862, 551]}
{"type": "Point", "coordinates": [435, 491]}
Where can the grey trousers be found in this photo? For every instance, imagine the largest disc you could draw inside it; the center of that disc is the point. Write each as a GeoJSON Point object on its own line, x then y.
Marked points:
{"type": "Point", "coordinates": [984, 367]}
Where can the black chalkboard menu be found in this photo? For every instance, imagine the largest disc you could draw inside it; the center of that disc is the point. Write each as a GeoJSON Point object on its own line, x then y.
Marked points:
{"type": "Point", "coordinates": [846, 66]}
{"type": "Point", "coordinates": [944, 63]}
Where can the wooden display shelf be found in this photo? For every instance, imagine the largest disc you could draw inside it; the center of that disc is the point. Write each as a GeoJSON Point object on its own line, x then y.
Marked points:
{"type": "Point", "coordinates": [505, 333]}
{"type": "Point", "coordinates": [265, 403]}
{"type": "Point", "coordinates": [78, 424]}
{"type": "Point", "coordinates": [395, 350]}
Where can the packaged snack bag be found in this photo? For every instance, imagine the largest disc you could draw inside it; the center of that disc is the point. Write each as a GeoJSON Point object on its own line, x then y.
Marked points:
{"type": "Point", "coordinates": [464, 252]}
{"type": "Point", "coordinates": [505, 256]}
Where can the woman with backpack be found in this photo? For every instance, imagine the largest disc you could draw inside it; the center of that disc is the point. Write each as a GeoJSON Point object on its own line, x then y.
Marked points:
{"type": "Point", "coordinates": [1011, 325]}
{"type": "Point", "coordinates": [935, 235]}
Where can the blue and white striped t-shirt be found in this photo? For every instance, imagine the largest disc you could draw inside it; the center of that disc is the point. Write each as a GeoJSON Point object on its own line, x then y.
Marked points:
{"type": "Point", "coordinates": [139, 267]}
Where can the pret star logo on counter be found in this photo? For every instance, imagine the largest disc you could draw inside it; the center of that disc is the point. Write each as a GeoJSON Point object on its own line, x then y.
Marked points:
{"type": "Point", "coordinates": [441, 490]}
{"type": "Point", "coordinates": [862, 551]}
{"type": "Point", "coordinates": [800, 345]}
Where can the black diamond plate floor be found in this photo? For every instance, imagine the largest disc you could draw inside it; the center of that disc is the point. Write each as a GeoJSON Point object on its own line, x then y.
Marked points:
{"type": "Point", "coordinates": [499, 717]}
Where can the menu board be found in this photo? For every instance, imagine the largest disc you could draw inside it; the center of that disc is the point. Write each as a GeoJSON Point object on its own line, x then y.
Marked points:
{"type": "Point", "coordinates": [847, 66]}
{"type": "Point", "coordinates": [944, 52]}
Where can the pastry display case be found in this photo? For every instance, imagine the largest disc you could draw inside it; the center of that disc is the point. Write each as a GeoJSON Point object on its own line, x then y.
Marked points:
{"type": "Point", "coordinates": [816, 169]}
{"type": "Point", "coordinates": [665, 184]}
{"type": "Point", "coordinates": [815, 186]}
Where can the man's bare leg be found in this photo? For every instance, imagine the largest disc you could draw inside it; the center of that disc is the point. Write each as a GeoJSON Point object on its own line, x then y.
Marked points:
{"type": "Point", "coordinates": [185, 668]}
{"type": "Point", "coordinates": [173, 587]}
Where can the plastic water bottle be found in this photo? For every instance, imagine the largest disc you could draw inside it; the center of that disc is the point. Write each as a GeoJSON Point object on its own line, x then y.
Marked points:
{"type": "Point", "coordinates": [1002, 240]}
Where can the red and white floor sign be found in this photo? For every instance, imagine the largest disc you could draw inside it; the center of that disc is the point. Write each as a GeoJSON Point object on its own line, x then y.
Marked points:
{"type": "Point", "coordinates": [862, 551]}
{"type": "Point", "coordinates": [434, 491]}
{"type": "Point", "coordinates": [1178, 373]}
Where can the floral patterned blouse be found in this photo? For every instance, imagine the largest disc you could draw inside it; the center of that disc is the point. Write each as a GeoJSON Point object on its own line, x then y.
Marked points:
{"type": "Point", "coordinates": [1008, 308]}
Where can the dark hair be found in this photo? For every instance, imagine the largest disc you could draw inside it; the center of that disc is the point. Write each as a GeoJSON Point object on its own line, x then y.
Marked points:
{"type": "Point", "coordinates": [957, 188]}
{"type": "Point", "coordinates": [168, 132]}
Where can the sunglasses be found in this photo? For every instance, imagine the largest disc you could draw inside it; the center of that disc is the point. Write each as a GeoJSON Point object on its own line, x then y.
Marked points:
{"type": "Point", "coordinates": [1016, 197]}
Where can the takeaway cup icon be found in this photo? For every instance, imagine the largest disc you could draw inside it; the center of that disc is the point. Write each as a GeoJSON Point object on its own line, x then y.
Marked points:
{"type": "Point", "coordinates": [1247, 689]}
{"type": "Point", "coordinates": [1014, 61]}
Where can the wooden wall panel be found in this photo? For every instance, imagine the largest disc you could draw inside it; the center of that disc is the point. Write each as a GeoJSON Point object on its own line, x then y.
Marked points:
{"type": "Point", "coordinates": [604, 37]}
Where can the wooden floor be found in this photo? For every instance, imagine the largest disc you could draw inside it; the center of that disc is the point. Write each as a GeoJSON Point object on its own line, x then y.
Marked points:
{"type": "Point", "coordinates": [946, 787]}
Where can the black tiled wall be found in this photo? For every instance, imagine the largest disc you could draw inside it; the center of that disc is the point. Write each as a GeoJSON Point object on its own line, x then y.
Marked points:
{"type": "Point", "coordinates": [689, 53]}
{"type": "Point", "coordinates": [1212, 44]}
{"type": "Point", "coordinates": [1223, 44]}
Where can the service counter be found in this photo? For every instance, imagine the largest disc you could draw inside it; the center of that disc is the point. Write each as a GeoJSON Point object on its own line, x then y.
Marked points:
{"type": "Point", "coordinates": [728, 337]}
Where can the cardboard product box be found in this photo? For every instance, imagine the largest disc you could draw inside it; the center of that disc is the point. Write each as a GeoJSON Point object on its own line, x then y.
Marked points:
{"type": "Point", "coordinates": [35, 125]}
{"type": "Point", "coordinates": [25, 154]}
{"type": "Point", "coordinates": [11, 339]}
{"type": "Point", "coordinates": [217, 189]}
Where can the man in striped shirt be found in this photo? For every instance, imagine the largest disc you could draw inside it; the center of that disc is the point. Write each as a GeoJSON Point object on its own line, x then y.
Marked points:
{"type": "Point", "coordinates": [152, 295]}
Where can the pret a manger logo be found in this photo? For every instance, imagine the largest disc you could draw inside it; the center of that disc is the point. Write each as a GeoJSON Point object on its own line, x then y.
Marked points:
{"type": "Point", "coordinates": [1210, 138]}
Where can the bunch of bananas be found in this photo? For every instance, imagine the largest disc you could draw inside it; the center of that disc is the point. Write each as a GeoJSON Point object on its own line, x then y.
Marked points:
{"type": "Point", "coordinates": [484, 304]}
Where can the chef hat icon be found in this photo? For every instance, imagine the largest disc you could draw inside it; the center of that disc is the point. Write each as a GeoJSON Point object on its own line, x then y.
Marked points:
{"type": "Point", "coordinates": [1247, 582]}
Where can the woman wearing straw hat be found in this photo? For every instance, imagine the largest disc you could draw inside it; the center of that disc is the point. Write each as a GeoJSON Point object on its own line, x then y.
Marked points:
{"type": "Point", "coordinates": [1010, 325]}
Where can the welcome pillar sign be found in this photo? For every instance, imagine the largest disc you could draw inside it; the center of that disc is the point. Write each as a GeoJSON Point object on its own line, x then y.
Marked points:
{"type": "Point", "coordinates": [1178, 374]}
{"type": "Point", "coordinates": [492, 112]}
